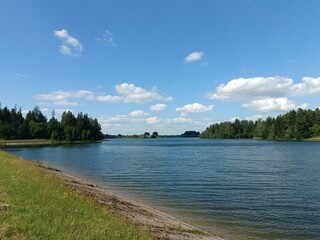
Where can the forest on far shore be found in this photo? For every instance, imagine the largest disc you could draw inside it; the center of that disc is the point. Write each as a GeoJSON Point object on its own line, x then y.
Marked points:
{"type": "Point", "coordinates": [36, 126]}
{"type": "Point", "coordinates": [294, 125]}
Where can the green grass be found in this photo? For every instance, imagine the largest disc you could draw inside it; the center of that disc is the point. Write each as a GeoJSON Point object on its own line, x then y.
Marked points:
{"type": "Point", "coordinates": [35, 142]}
{"type": "Point", "coordinates": [34, 205]}
{"type": "Point", "coordinates": [24, 140]}
{"type": "Point", "coordinates": [313, 139]}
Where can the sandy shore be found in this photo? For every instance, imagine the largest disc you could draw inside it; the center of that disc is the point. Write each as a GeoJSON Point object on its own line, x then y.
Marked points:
{"type": "Point", "coordinates": [158, 224]}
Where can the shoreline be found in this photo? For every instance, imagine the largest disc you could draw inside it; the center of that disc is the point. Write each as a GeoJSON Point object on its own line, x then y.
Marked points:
{"type": "Point", "coordinates": [160, 225]}
{"type": "Point", "coordinates": [35, 143]}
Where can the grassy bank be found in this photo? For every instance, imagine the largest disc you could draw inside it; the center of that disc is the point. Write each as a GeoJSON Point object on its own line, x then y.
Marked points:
{"type": "Point", "coordinates": [34, 205]}
{"type": "Point", "coordinates": [4, 141]}
{"type": "Point", "coordinates": [314, 139]}
{"type": "Point", "coordinates": [41, 142]}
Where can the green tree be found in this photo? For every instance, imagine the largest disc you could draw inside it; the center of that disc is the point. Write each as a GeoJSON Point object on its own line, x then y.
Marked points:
{"type": "Point", "coordinates": [38, 130]}
{"type": "Point", "coordinates": [289, 120]}
{"type": "Point", "coordinates": [154, 135]}
{"type": "Point", "coordinates": [146, 134]}
{"type": "Point", "coordinates": [95, 130]}
{"type": "Point", "coordinates": [315, 130]}
{"type": "Point", "coordinates": [54, 129]}
{"type": "Point", "coordinates": [36, 116]}
{"type": "Point", "coordinates": [13, 125]}
{"type": "Point", "coordinates": [6, 130]}
{"type": "Point", "coordinates": [301, 127]}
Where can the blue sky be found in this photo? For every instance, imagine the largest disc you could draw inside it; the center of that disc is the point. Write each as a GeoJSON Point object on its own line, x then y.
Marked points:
{"type": "Point", "coordinates": [166, 66]}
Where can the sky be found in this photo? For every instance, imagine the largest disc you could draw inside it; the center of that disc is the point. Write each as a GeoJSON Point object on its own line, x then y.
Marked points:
{"type": "Point", "coordinates": [165, 66]}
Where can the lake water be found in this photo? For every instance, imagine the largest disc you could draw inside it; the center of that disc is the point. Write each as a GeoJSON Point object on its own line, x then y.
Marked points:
{"type": "Point", "coordinates": [240, 189]}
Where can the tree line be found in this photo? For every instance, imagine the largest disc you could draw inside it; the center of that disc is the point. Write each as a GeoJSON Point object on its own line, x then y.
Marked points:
{"type": "Point", "coordinates": [294, 125]}
{"type": "Point", "coordinates": [36, 126]}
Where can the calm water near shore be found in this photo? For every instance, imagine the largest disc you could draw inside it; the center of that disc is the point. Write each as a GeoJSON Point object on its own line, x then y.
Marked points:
{"type": "Point", "coordinates": [240, 189]}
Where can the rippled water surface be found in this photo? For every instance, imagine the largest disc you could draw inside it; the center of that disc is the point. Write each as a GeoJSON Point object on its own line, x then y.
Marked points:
{"type": "Point", "coordinates": [240, 189]}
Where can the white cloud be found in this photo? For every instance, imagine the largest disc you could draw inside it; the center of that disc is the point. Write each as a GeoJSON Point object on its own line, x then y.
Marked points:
{"type": "Point", "coordinates": [256, 117]}
{"type": "Point", "coordinates": [138, 113]}
{"type": "Point", "coordinates": [65, 50]}
{"type": "Point", "coordinates": [266, 94]}
{"type": "Point", "coordinates": [309, 86]}
{"type": "Point", "coordinates": [107, 38]}
{"type": "Point", "coordinates": [273, 104]}
{"type": "Point", "coordinates": [126, 124]}
{"type": "Point", "coordinates": [61, 98]}
{"type": "Point", "coordinates": [65, 103]}
{"type": "Point", "coordinates": [108, 98]}
{"type": "Point", "coordinates": [64, 95]}
{"type": "Point", "coordinates": [130, 93]}
{"type": "Point", "coordinates": [70, 45]}
{"type": "Point", "coordinates": [159, 107]}
{"type": "Point", "coordinates": [194, 56]}
{"type": "Point", "coordinates": [113, 119]}
{"type": "Point", "coordinates": [44, 109]}
{"type": "Point", "coordinates": [265, 87]}
{"type": "Point", "coordinates": [246, 88]}
{"type": "Point", "coordinates": [153, 120]}
{"type": "Point", "coordinates": [178, 121]}
{"type": "Point", "coordinates": [194, 108]}
{"type": "Point", "coordinates": [124, 119]}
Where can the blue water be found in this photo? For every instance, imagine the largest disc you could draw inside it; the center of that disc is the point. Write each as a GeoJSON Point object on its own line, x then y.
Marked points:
{"type": "Point", "coordinates": [239, 189]}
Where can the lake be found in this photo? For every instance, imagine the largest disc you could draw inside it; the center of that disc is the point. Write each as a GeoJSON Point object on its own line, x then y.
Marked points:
{"type": "Point", "coordinates": [239, 189]}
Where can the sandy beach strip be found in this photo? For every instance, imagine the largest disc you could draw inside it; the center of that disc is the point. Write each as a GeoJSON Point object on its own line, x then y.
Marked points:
{"type": "Point", "coordinates": [158, 224]}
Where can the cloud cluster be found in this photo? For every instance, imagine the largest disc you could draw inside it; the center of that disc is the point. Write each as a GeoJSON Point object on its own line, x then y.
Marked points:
{"type": "Point", "coordinates": [267, 94]}
{"type": "Point", "coordinates": [194, 56]}
{"type": "Point", "coordinates": [273, 104]}
{"type": "Point", "coordinates": [123, 120]}
{"type": "Point", "coordinates": [107, 38]}
{"type": "Point", "coordinates": [194, 108]}
{"type": "Point", "coordinates": [159, 107]}
{"type": "Point", "coordinates": [65, 103]}
{"type": "Point", "coordinates": [70, 45]}
{"type": "Point", "coordinates": [309, 86]}
{"type": "Point", "coordinates": [63, 96]}
{"type": "Point", "coordinates": [246, 88]}
{"type": "Point", "coordinates": [153, 120]}
{"type": "Point", "coordinates": [178, 121]}
{"type": "Point", "coordinates": [127, 93]}
{"type": "Point", "coordinates": [138, 113]}
{"type": "Point", "coordinates": [134, 122]}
